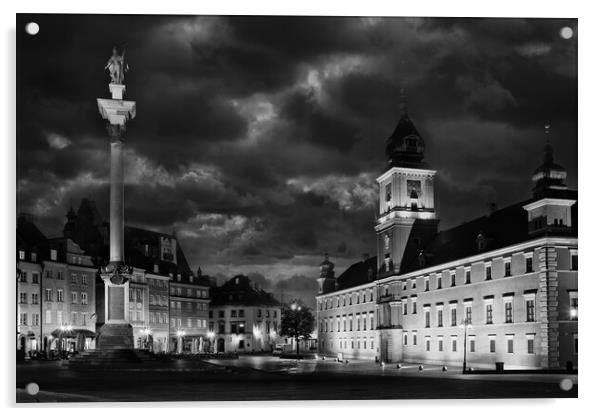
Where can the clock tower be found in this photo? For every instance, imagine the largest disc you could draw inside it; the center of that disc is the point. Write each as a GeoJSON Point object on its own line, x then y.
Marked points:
{"type": "Point", "coordinates": [407, 218]}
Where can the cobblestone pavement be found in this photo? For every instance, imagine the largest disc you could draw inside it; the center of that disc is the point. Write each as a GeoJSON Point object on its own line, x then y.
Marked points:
{"type": "Point", "coordinates": [269, 378]}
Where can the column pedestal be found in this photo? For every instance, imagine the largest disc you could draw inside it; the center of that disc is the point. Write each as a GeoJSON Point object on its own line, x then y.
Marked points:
{"type": "Point", "coordinates": [116, 333]}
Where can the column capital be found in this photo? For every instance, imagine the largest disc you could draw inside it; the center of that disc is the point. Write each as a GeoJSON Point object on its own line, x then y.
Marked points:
{"type": "Point", "coordinates": [116, 132]}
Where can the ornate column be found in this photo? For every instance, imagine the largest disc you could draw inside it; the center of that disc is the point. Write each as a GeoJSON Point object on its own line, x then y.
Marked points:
{"type": "Point", "coordinates": [116, 333]}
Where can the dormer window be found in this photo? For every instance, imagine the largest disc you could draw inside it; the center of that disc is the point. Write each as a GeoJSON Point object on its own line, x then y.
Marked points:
{"type": "Point", "coordinates": [421, 259]}
{"type": "Point", "coordinates": [156, 268]}
{"type": "Point", "coordinates": [53, 254]}
{"type": "Point", "coordinates": [480, 242]}
{"type": "Point", "coordinates": [21, 255]}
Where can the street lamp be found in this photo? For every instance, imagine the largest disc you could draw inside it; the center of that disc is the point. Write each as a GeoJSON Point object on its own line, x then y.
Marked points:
{"type": "Point", "coordinates": [180, 334]}
{"type": "Point", "coordinates": [466, 325]}
{"type": "Point", "coordinates": [147, 332]}
{"type": "Point", "coordinates": [295, 308]}
{"type": "Point", "coordinates": [211, 335]}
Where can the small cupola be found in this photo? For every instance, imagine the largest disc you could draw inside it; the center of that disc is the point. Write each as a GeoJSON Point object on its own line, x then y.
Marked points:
{"type": "Point", "coordinates": [550, 209]}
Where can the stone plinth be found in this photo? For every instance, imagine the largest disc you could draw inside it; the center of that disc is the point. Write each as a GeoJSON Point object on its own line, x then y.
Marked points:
{"type": "Point", "coordinates": [116, 336]}
{"type": "Point", "coordinates": [116, 332]}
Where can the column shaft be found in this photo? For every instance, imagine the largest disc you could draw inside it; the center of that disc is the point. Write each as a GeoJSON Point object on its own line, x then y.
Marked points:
{"type": "Point", "coordinates": [116, 204]}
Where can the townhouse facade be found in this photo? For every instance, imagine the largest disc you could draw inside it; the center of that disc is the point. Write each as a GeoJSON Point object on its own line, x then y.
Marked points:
{"type": "Point", "coordinates": [243, 318]}
{"type": "Point", "coordinates": [189, 313]}
{"type": "Point", "coordinates": [56, 292]}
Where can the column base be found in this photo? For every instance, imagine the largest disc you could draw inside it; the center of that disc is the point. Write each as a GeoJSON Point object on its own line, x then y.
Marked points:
{"type": "Point", "coordinates": [115, 336]}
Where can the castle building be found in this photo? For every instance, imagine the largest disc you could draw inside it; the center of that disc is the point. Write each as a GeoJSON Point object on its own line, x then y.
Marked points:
{"type": "Point", "coordinates": [505, 282]}
{"type": "Point", "coordinates": [243, 318]}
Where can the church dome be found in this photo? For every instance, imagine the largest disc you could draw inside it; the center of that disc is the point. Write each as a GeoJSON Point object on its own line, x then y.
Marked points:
{"type": "Point", "coordinates": [405, 147]}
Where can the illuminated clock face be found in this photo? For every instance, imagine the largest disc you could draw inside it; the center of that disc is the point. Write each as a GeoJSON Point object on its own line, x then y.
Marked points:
{"type": "Point", "coordinates": [414, 189]}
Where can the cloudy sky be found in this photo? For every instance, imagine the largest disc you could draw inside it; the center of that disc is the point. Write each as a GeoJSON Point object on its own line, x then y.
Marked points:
{"type": "Point", "coordinates": [258, 139]}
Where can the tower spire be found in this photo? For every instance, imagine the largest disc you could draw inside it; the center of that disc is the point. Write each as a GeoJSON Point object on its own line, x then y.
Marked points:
{"type": "Point", "coordinates": [403, 102]}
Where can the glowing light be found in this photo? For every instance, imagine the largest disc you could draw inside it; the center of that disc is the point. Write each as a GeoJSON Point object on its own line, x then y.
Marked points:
{"type": "Point", "coordinates": [566, 32]}
{"type": "Point", "coordinates": [573, 313]}
{"type": "Point", "coordinates": [211, 334]}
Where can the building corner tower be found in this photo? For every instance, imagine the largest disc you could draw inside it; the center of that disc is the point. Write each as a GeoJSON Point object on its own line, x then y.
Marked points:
{"type": "Point", "coordinates": [326, 281]}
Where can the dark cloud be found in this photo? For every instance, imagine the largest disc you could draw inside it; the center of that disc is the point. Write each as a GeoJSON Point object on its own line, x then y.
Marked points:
{"type": "Point", "coordinates": [258, 139]}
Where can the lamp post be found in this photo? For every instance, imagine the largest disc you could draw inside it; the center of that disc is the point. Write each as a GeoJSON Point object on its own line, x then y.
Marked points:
{"type": "Point", "coordinates": [296, 308]}
{"type": "Point", "coordinates": [466, 326]}
{"type": "Point", "coordinates": [211, 336]}
{"type": "Point", "coordinates": [147, 332]}
{"type": "Point", "coordinates": [180, 334]}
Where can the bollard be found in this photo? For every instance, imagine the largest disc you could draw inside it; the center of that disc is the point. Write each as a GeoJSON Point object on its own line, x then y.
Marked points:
{"type": "Point", "coordinates": [444, 368]}
{"type": "Point", "coordinates": [420, 367]}
{"type": "Point", "coordinates": [346, 361]}
{"type": "Point", "coordinates": [398, 365]}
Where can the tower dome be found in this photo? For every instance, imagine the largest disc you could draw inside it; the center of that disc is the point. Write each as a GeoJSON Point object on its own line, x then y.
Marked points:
{"type": "Point", "coordinates": [405, 147]}
{"type": "Point", "coordinates": [549, 175]}
{"type": "Point", "coordinates": [326, 268]}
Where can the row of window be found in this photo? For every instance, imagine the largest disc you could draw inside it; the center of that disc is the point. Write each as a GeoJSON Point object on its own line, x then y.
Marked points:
{"type": "Point", "coordinates": [240, 327]}
{"type": "Point", "coordinates": [471, 344]}
{"type": "Point", "coordinates": [508, 302]}
{"type": "Point", "coordinates": [347, 299]}
{"type": "Point", "coordinates": [157, 283]}
{"type": "Point", "coordinates": [188, 305]}
{"type": "Point", "coordinates": [53, 257]}
{"type": "Point", "coordinates": [23, 277]}
{"type": "Point", "coordinates": [158, 300]}
{"type": "Point", "coordinates": [35, 277]}
{"type": "Point", "coordinates": [468, 275]}
{"type": "Point", "coordinates": [177, 323]}
{"type": "Point", "coordinates": [240, 313]}
{"type": "Point", "coordinates": [75, 279]}
{"type": "Point", "coordinates": [178, 291]}
{"type": "Point", "coordinates": [77, 318]}
{"type": "Point", "coordinates": [357, 343]}
{"type": "Point", "coordinates": [49, 297]}
{"type": "Point", "coordinates": [364, 322]}
{"type": "Point", "coordinates": [158, 317]}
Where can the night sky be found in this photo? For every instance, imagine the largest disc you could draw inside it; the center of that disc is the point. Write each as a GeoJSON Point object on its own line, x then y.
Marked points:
{"type": "Point", "coordinates": [258, 139]}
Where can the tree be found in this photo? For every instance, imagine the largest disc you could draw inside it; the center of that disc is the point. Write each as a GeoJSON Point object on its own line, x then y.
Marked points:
{"type": "Point", "coordinates": [297, 322]}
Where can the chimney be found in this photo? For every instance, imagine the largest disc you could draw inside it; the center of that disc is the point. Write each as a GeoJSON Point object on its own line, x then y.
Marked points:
{"type": "Point", "coordinates": [492, 207]}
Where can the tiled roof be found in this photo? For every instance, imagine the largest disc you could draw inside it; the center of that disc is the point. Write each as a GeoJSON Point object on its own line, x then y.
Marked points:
{"type": "Point", "coordinates": [502, 228]}
{"type": "Point", "coordinates": [239, 291]}
{"type": "Point", "coordinates": [358, 274]}
{"type": "Point", "coordinates": [30, 238]}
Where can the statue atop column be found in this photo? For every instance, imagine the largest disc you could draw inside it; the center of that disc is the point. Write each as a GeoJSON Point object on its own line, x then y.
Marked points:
{"type": "Point", "coordinates": [117, 67]}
